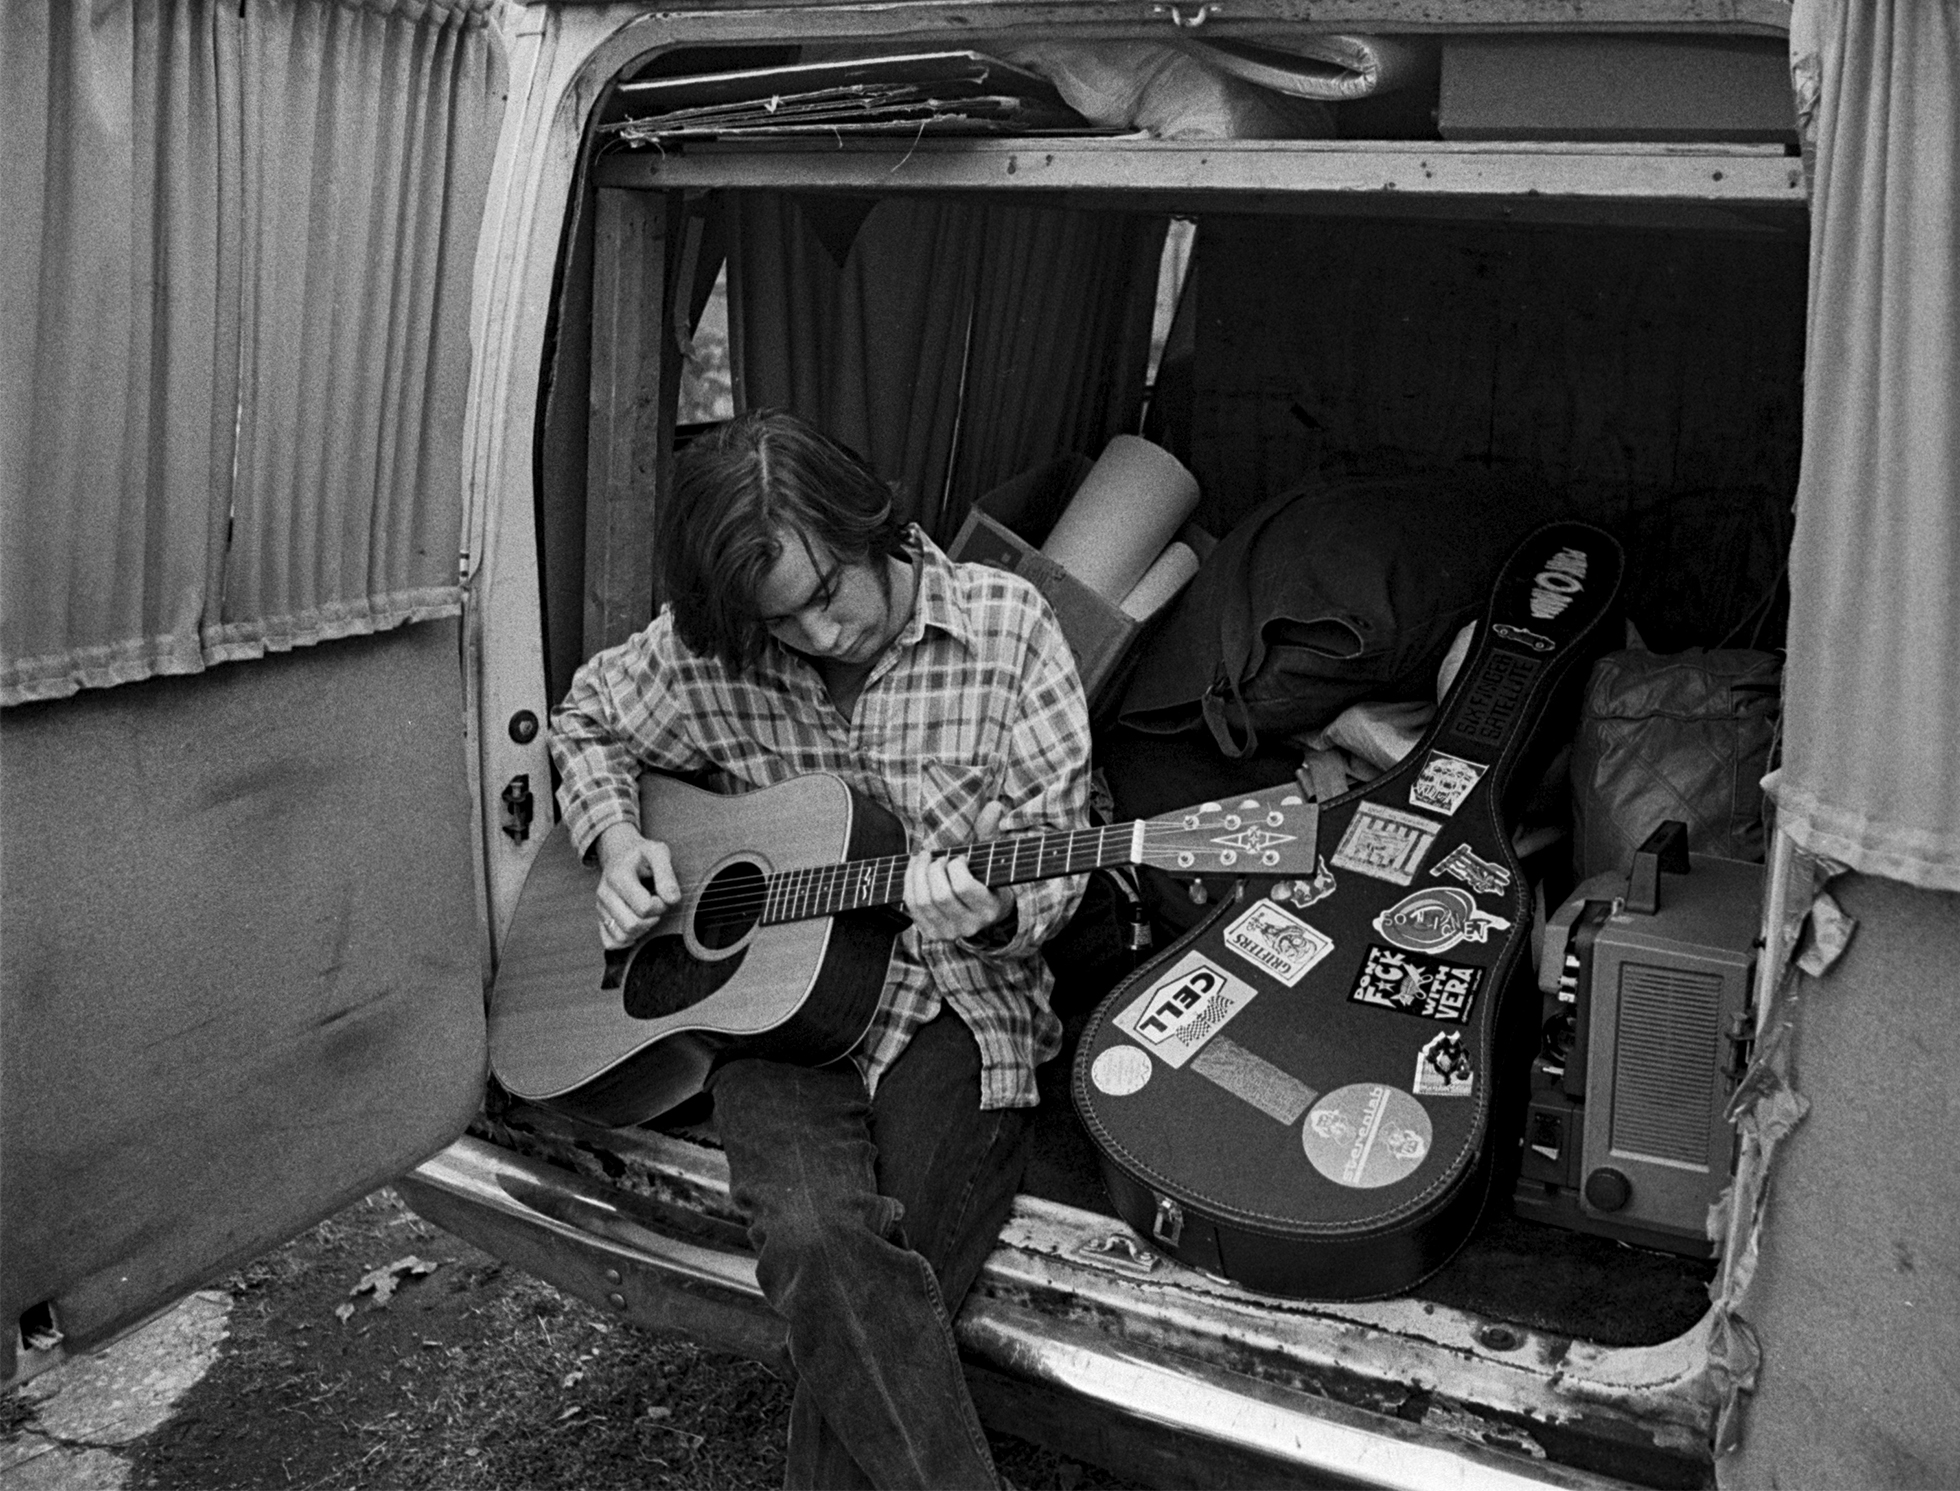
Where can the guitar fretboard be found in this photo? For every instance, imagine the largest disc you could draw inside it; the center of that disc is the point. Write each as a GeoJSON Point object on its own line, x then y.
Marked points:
{"type": "Point", "coordinates": [798, 895]}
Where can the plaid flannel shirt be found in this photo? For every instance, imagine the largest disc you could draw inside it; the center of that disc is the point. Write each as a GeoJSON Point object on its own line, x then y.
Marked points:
{"type": "Point", "coordinates": [976, 699]}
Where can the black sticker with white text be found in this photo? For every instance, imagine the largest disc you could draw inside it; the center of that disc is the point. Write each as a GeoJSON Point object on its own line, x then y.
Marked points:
{"type": "Point", "coordinates": [1414, 984]}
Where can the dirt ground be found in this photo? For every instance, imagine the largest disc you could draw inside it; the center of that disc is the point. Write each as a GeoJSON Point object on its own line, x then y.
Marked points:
{"type": "Point", "coordinates": [467, 1375]}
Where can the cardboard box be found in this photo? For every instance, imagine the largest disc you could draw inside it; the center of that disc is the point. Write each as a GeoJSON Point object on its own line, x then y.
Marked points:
{"type": "Point", "coordinates": [1006, 529]}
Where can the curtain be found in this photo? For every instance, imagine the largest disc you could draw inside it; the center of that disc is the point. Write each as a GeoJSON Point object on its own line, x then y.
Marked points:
{"type": "Point", "coordinates": [236, 350]}
{"type": "Point", "coordinates": [954, 343]}
{"type": "Point", "coordinates": [1873, 701]}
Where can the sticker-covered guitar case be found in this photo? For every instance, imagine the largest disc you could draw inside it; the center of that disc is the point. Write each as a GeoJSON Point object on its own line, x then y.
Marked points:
{"type": "Point", "coordinates": [1297, 1094]}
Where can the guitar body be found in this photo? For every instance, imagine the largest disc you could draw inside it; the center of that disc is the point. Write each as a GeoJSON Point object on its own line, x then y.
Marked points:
{"type": "Point", "coordinates": [1298, 1093]}
{"type": "Point", "coordinates": [622, 1044]}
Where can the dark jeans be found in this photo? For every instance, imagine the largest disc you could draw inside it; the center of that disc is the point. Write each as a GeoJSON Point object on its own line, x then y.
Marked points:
{"type": "Point", "coordinates": [870, 1220]}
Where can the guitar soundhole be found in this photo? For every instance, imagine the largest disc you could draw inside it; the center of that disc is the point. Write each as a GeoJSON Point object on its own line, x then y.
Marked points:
{"type": "Point", "coordinates": [730, 905]}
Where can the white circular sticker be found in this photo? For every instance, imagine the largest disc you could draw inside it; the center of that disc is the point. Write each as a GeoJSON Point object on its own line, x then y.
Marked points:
{"type": "Point", "coordinates": [1366, 1135]}
{"type": "Point", "coordinates": [1120, 1071]}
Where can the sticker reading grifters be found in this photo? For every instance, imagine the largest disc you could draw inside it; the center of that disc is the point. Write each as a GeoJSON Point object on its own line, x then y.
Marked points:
{"type": "Point", "coordinates": [1366, 1135]}
{"type": "Point", "coordinates": [1413, 984]}
{"type": "Point", "coordinates": [1443, 1068]}
{"type": "Point", "coordinates": [1386, 843]}
{"type": "Point", "coordinates": [1444, 782]}
{"type": "Point", "coordinates": [1175, 1016]}
{"type": "Point", "coordinates": [1120, 1071]}
{"type": "Point", "coordinates": [1485, 878]}
{"type": "Point", "coordinates": [1435, 919]}
{"type": "Point", "coordinates": [1277, 942]}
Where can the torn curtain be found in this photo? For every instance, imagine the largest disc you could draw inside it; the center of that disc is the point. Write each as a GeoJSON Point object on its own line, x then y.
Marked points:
{"type": "Point", "coordinates": [953, 343]}
{"type": "Point", "coordinates": [1873, 709]}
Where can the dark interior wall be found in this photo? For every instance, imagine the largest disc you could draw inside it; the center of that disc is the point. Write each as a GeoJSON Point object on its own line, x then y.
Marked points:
{"type": "Point", "coordinates": [564, 425]}
{"type": "Point", "coordinates": [1654, 376]}
{"type": "Point", "coordinates": [240, 964]}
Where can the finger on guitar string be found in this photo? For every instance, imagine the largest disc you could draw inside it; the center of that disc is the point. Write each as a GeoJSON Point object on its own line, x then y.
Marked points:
{"type": "Point", "coordinates": [636, 884]}
{"type": "Point", "coordinates": [944, 899]}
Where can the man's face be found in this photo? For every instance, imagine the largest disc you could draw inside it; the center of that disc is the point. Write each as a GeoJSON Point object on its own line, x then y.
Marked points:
{"type": "Point", "coordinates": [825, 608]}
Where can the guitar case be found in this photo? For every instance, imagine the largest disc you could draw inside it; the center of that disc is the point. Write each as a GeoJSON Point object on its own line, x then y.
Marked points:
{"type": "Point", "coordinates": [1297, 1094]}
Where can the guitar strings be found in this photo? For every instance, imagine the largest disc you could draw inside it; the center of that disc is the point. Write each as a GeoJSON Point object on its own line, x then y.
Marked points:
{"type": "Point", "coordinates": [820, 884]}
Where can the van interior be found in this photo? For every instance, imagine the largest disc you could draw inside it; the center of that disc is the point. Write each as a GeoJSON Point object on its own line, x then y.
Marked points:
{"type": "Point", "coordinates": [970, 289]}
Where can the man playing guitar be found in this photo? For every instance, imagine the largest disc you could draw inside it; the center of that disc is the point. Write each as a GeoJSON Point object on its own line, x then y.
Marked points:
{"type": "Point", "coordinates": [807, 630]}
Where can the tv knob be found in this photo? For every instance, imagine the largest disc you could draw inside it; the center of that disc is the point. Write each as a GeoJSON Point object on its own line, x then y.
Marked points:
{"type": "Point", "coordinates": [1608, 1190]}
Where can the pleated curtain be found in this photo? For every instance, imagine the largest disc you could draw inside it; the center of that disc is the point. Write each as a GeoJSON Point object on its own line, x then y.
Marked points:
{"type": "Point", "coordinates": [1872, 725]}
{"type": "Point", "coordinates": [954, 343]}
{"type": "Point", "coordinates": [234, 340]}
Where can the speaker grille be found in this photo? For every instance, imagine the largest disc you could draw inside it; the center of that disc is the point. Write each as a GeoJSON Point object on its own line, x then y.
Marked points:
{"type": "Point", "coordinates": [1664, 1053]}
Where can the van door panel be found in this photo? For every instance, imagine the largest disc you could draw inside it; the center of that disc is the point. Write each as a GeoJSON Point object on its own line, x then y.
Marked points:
{"type": "Point", "coordinates": [241, 964]}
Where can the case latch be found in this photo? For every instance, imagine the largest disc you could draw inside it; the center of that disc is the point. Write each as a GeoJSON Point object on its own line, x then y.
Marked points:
{"type": "Point", "coordinates": [1168, 1225]}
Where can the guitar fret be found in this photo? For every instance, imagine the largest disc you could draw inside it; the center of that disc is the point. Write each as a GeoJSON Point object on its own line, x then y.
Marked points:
{"type": "Point", "coordinates": [849, 885]}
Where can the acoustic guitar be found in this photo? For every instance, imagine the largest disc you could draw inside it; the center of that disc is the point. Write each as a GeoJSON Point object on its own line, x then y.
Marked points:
{"type": "Point", "coordinates": [782, 938]}
{"type": "Point", "coordinates": [1298, 1093]}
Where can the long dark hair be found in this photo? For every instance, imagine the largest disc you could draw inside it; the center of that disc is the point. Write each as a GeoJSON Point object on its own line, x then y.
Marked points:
{"type": "Point", "coordinates": [737, 490]}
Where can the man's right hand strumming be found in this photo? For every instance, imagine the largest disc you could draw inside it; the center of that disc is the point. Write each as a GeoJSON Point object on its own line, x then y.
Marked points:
{"type": "Point", "coordinates": [636, 885]}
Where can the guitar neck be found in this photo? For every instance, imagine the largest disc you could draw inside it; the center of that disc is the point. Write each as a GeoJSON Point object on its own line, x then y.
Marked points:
{"type": "Point", "coordinates": [859, 884]}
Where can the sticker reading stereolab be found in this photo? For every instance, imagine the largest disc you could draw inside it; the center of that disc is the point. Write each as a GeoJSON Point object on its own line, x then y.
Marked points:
{"type": "Point", "coordinates": [1366, 1135]}
{"type": "Point", "coordinates": [1277, 942]}
{"type": "Point", "coordinates": [1120, 1071]}
{"type": "Point", "coordinates": [1175, 1016]}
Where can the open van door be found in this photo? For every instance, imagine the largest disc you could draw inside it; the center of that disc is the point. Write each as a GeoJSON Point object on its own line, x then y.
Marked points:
{"type": "Point", "coordinates": [241, 945]}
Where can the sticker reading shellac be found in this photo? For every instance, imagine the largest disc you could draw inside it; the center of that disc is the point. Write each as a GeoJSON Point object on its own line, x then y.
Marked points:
{"type": "Point", "coordinates": [1277, 942]}
{"type": "Point", "coordinates": [1485, 878]}
{"type": "Point", "coordinates": [1366, 1135]}
{"type": "Point", "coordinates": [1435, 919]}
{"type": "Point", "coordinates": [1444, 782]}
{"type": "Point", "coordinates": [1443, 1068]}
{"type": "Point", "coordinates": [1416, 985]}
{"type": "Point", "coordinates": [1386, 843]}
{"type": "Point", "coordinates": [1175, 1016]}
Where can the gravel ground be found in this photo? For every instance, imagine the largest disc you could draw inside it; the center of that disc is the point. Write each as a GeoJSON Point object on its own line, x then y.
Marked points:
{"type": "Point", "coordinates": [376, 1351]}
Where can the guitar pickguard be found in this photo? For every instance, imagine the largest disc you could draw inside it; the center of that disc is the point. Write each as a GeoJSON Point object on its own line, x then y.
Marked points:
{"type": "Point", "coordinates": [664, 978]}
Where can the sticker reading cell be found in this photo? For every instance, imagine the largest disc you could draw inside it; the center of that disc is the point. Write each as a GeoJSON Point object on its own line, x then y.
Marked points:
{"type": "Point", "coordinates": [1277, 942]}
{"type": "Point", "coordinates": [1366, 1135]}
{"type": "Point", "coordinates": [1444, 782]}
{"type": "Point", "coordinates": [1416, 985]}
{"type": "Point", "coordinates": [1120, 1071]}
{"type": "Point", "coordinates": [1443, 1068]}
{"type": "Point", "coordinates": [1175, 1016]}
{"type": "Point", "coordinates": [1247, 1075]}
{"type": "Point", "coordinates": [1386, 843]}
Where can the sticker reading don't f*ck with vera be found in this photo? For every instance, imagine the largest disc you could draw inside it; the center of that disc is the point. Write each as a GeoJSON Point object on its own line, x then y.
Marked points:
{"type": "Point", "coordinates": [1177, 1014]}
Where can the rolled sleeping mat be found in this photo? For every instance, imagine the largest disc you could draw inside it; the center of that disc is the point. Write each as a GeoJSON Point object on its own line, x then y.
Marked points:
{"type": "Point", "coordinates": [1160, 584]}
{"type": "Point", "coordinates": [1129, 506]}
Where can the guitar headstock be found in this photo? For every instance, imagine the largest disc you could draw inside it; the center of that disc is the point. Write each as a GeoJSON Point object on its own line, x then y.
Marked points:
{"type": "Point", "coordinates": [1264, 833]}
